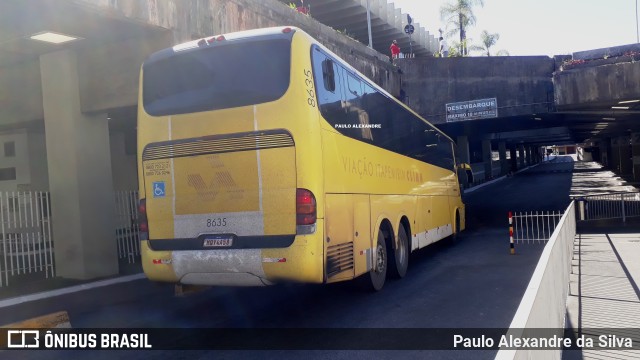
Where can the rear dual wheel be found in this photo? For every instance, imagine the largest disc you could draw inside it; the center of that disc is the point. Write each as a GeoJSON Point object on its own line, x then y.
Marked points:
{"type": "Point", "coordinates": [399, 262]}
{"type": "Point", "coordinates": [378, 274]}
{"type": "Point", "coordinates": [396, 260]}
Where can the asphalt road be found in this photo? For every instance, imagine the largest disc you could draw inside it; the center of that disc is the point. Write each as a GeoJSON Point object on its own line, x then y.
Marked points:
{"type": "Point", "coordinates": [472, 283]}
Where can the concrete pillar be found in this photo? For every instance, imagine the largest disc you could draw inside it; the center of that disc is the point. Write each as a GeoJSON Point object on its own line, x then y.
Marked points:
{"type": "Point", "coordinates": [486, 159]}
{"type": "Point", "coordinates": [504, 164]}
{"type": "Point", "coordinates": [635, 155]}
{"type": "Point", "coordinates": [463, 149]}
{"type": "Point", "coordinates": [605, 151]}
{"type": "Point", "coordinates": [80, 179]}
{"type": "Point", "coordinates": [527, 150]}
{"type": "Point", "coordinates": [521, 156]}
{"type": "Point", "coordinates": [615, 154]}
{"type": "Point", "coordinates": [624, 151]}
{"type": "Point", "coordinates": [514, 158]}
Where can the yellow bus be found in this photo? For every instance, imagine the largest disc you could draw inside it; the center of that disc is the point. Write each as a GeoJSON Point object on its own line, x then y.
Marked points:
{"type": "Point", "coordinates": [264, 158]}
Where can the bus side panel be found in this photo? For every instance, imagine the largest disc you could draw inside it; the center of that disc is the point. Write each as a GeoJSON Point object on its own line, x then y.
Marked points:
{"type": "Point", "coordinates": [441, 216]}
{"type": "Point", "coordinates": [362, 226]}
{"type": "Point", "coordinates": [339, 234]}
{"type": "Point", "coordinates": [423, 222]}
{"type": "Point", "coordinates": [304, 259]}
{"type": "Point", "coordinates": [348, 230]}
{"type": "Point", "coordinates": [392, 208]}
{"type": "Point", "coordinates": [455, 204]}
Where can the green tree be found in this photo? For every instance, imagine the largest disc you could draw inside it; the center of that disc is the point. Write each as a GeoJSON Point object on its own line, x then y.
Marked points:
{"type": "Point", "coordinates": [488, 40]}
{"type": "Point", "coordinates": [459, 15]}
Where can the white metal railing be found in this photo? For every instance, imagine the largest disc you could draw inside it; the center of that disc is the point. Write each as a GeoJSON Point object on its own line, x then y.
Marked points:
{"type": "Point", "coordinates": [26, 241]}
{"type": "Point", "coordinates": [533, 226]}
{"type": "Point", "coordinates": [543, 305]}
{"type": "Point", "coordinates": [609, 206]}
{"type": "Point", "coordinates": [127, 225]}
{"type": "Point", "coordinates": [25, 234]}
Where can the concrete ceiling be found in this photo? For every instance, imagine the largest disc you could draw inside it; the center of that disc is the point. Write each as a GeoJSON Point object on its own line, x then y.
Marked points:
{"type": "Point", "coordinates": [600, 120]}
{"type": "Point", "coordinates": [554, 128]}
{"type": "Point", "coordinates": [20, 19]}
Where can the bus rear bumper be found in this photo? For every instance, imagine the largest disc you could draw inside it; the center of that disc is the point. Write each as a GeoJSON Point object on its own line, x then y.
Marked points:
{"type": "Point", "coordinates": [235, 267]}
{"type": "Point", "coordinates": [224, 279]}
{"type": "Point", "coordinates": [300, 262]}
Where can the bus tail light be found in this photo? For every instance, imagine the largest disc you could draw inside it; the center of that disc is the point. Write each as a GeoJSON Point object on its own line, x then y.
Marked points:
{"type": "Point", "coordinates": [143, 224]}
{"type": "Point", "coordinates": [286, 30]}
{"type": "Point", "coordinates": [306, 212]}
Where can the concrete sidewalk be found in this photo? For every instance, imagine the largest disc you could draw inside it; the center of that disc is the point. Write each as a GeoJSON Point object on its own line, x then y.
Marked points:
{"type": "Point", "coordinates": [603, 292]}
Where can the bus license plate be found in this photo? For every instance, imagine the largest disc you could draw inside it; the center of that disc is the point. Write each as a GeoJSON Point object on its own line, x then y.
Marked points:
{"type": "Point", "coordinates": [218, 242]}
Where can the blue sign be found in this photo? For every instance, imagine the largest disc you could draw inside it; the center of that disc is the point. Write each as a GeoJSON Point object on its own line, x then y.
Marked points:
{"type": "Point", "coordinates": [158, 189]}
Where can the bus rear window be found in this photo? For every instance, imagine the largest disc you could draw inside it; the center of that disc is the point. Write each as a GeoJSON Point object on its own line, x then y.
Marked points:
{"type": "Point", "coordinates": [221, 76]}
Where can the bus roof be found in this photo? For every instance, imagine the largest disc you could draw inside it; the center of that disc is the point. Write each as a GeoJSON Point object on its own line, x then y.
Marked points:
{"type": "Point", "coordinates": [279, 30]}
{"type": "Point", "coordinates": [239, 35]}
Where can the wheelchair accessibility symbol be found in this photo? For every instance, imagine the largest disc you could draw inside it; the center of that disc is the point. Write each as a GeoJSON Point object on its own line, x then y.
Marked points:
{"type": "Point", "coordinates": [158, 189]}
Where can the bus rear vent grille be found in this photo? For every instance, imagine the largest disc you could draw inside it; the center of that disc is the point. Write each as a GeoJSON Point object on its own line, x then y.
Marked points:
{"type": "Point", "coordinates": [339, 258]}
{"type": "Point", "coordinates": [217, 144]}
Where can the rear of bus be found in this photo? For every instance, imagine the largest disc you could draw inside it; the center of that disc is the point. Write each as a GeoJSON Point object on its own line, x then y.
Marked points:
{"type": "Point", "coordinates": [229, 161]}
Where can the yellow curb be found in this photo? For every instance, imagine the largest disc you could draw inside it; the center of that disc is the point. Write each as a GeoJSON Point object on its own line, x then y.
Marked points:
{"type": "Point", "coordinates": [56, 320]}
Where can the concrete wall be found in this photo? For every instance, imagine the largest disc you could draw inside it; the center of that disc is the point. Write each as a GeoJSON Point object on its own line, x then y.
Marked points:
{"type": "Point", "coordinates": [522, 85]}
{"type": "Point", "coordinates": [20, 94]}
{"type": "Point", "coordinates": [20, 161]}
{"type": "Point", "coordinates": [606, 52]}
{"type": "Point", "coordinates": [597, 84]}
{"type": "Point", "coordinates": [108, 72]}
{"type": "Point", "coordinates": [30, 161]}
{"type": "Point", "coordinates": [123, 165]}
{"type": "Point", "coordinates": [112, 83]}
{"type": "Point", "coordinates": [38, 161]}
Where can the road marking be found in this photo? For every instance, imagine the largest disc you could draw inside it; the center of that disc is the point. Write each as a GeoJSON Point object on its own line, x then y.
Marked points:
{"type": "Point", "coordinates": [68, 290]}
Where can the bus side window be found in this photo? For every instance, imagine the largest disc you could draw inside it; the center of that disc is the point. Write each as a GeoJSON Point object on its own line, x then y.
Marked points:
{"type": "Point", "coordinates": [354, 88]}
{"type": "Point", "coordinates": [328, 75]}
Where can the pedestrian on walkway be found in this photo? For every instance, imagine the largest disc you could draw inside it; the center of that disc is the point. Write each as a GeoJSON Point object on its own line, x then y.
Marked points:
{"type": "Point", "coordinates": [395, 50]}
{"type": "Point", "coordinates": [444, 48]}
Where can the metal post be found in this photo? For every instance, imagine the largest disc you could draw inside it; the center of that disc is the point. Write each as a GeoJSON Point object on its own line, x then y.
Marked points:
{"type": "Point", "coordinates": [410, 46]}
{"type": "Point", "coordinates": [622, 205]}
{"type": "Point", "coordinates": [369, 24]}
{"type": "Point", "coordinates": [3, 266]}
{"type": "Point", "coordinates": [512, 248]}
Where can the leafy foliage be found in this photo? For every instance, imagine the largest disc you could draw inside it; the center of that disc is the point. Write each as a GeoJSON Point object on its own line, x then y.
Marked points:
{"type": "Point", "coordinates": [459, 16]}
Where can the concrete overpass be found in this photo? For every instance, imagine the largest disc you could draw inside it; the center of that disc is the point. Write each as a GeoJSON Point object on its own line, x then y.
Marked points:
{"type": "Point", "coordinates": [67, 111]}
{"type": "Point", "coordinates": [590, 98]}
{"type": "Point", "coordinates": [387, 24]}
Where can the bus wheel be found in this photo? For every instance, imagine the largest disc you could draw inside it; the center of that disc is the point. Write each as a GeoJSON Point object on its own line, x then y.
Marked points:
{"type": "Point", "coordinates": [376, 277]}
{"type": "Point", "coordinates": [399, 262]}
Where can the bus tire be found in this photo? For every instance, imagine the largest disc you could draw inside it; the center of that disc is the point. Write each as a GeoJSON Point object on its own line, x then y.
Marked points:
{"type": "Point", "coordinates": [399, 262]}
{"type": "Point", "coordinates": [374, 280]}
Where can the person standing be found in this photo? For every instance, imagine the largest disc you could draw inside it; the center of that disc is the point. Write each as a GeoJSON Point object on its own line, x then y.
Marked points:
{"type": "Point", "coordinates": [444, 48]}
{"type": "Point", "coordinates": [395, 50]}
